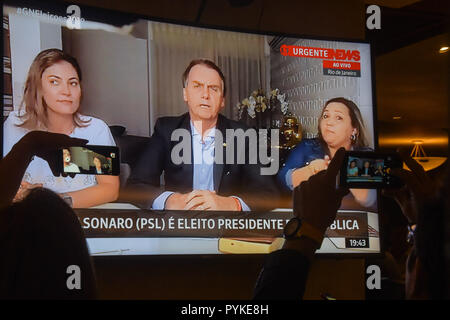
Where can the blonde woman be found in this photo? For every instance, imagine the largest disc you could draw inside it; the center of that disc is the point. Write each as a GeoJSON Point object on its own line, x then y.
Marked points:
{"type": "Point", "coordinates": [51, 102]}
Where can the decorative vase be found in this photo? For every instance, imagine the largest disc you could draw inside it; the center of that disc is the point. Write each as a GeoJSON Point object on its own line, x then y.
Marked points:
{"type": "Point", "coordinates": [291, 132]}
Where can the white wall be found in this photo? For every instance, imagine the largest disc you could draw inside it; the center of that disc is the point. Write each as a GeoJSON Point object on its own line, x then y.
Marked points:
{"type": "Point", "coordinates": [115, 77]}
{"type": "Point", "coordinates": [50, 36]}
{"type": "Point", "coordinates": [29, 36]}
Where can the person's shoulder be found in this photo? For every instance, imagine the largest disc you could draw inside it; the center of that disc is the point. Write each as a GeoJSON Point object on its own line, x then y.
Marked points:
{"type": "Point", "coordinates": [95, 130]}
{"type": "Point", "coordinates": [93, 121]}
{"type": "Point", "coordinates": [12, 130]}
{"type": "Point", "coordinates": [309, 144]}
{"type": "Point", "coordinates": [13, 119]}
{"type": "Point", "coordinates": [93, 126]}
{"type": "Point", "coordinates": [171, 122]}
{"type": "Point", "coordinates": [306, 149]}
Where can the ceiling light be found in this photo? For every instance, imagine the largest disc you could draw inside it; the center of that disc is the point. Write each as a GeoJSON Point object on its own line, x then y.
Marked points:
{"type": "Point", "coordinates": [418, 154]}
{"type": "Point", "coordinates": [443, 49]}
{"type": "Point", "coordinates": [396, 117]}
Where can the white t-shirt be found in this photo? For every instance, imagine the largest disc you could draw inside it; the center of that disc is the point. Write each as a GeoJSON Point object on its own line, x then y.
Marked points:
{"type": "Point", "coordinates": [72, 168]}
{"type": "Point", "coordinates": [38, 171]}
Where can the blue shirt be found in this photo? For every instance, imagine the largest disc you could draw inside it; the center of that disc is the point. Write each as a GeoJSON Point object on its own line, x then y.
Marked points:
{"type": "Point", "coordinates": [306, 151]}
{"type": "Point", "coordinates": [203, 171]}
{"type": "Point", "coordinates": [352, 171]}
{"type": "Point", "coordinates": [203, 178]}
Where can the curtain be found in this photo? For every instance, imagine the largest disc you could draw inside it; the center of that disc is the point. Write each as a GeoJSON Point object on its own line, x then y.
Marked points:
{"type": "Point", "coordinates": [242, 57]}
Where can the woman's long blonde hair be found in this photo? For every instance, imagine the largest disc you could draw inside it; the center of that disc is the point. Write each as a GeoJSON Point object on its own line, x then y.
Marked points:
{"type": "Point", "coordinates": [35, 116]}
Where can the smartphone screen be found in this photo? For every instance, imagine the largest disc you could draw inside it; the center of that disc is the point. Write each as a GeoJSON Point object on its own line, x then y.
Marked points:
{"type": "Point", "coordinates": [90, 159]}
{"type": "Point", "coordinates": [369, 170]}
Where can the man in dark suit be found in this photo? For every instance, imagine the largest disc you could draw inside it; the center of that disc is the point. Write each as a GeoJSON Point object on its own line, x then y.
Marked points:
{"type": "Point", "coordinates": [196, 183]}
{"type": "Point", "coordinates": [367, 170]}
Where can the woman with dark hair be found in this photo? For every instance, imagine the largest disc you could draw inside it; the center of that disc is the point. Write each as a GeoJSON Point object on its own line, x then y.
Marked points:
{"type": "Point", "coordinates": [51, 103]}
{"type": "Point", "coordinates": [340, 125]}
{"type": "Point", "coordinates": [98, 165]}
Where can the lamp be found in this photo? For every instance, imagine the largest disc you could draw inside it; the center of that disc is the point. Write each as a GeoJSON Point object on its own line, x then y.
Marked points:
{"type": "Point", "coordinates": [443, 49]}
{"type": "Point", "coordinates": [418, 154]}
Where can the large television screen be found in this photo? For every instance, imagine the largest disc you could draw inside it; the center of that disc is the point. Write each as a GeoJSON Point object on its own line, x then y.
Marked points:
{"type": "Point", "coordinates": [215, 127]}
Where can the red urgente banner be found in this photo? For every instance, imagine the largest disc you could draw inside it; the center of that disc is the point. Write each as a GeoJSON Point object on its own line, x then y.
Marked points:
{"type": "Point", "coordinates": [319, 53]}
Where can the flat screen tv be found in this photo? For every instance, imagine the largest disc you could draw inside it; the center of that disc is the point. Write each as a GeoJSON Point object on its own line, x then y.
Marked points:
{"type": "Point", "coordinates": [209, 154]}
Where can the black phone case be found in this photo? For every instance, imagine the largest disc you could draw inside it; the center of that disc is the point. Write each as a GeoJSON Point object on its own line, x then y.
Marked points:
{"type": "Point", "coordinates": [386, 180]}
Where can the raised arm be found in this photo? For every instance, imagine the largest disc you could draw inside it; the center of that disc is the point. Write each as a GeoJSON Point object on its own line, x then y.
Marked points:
{"type": "Point", "coordinates": [316, 202]}
{"type": "Point", "coordinates": [14, 164]}
{"type": "Point", "coordinates": [106, 190]}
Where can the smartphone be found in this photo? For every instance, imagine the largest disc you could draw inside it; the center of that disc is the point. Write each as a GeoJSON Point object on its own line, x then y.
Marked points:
{"type": "Point", "coordinates": [369, 170]}
{"type": "Point", "coordinates": [90, 159]}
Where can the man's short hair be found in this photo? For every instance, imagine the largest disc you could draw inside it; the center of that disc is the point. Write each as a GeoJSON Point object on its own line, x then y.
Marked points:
{"type": "Point", "coordinates": [207, 63]}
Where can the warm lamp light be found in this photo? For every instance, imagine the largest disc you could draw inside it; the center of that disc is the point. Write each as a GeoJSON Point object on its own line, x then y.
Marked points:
{"type": "Point", "coordinates": [443, 49]}
{"type": "Point", "coordinates": [418, 154]}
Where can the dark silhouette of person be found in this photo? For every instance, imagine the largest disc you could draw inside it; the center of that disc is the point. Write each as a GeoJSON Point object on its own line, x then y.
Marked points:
{"type": "Point", "coordinates": [44, 249]}
{"type": "Point", "coordinates": [43, 240]}
{"type": "Point", "coordinates": [423, 203]}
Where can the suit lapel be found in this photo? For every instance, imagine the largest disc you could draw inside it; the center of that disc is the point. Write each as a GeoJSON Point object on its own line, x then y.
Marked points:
{"type": "Point", "coordinates": [219, 167]}
{"type": "Point", "coordinates": [186, 170]}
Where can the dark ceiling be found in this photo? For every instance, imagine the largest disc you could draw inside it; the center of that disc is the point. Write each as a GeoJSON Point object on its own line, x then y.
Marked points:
{"type": "Point", "coordinates": [412, 77]}
{"type": "Point", "coordinates": [402, 26]}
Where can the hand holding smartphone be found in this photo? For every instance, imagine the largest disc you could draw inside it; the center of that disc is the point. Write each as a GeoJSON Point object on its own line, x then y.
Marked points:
{"type": "Point", "coordinates": [89, 159]}
{"type": "Point", "coordinates": [369, 170]}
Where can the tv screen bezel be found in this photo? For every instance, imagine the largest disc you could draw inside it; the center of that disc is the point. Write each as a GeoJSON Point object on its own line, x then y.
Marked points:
{"type": "Point", "coordinates": [114, 13]}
